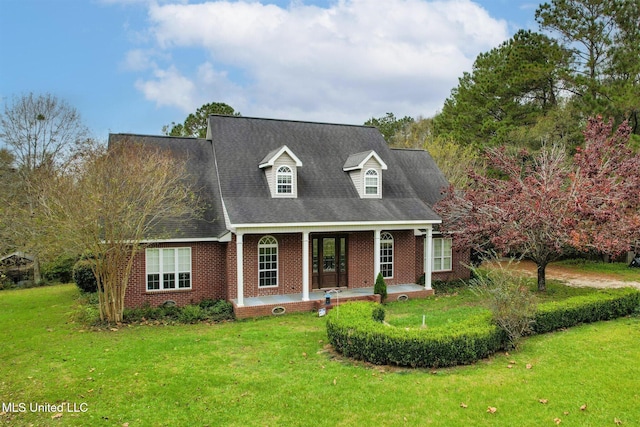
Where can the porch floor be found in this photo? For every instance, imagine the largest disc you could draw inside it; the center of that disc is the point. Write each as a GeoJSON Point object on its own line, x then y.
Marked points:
{"type": "Point", "coordinates": [336, 295]}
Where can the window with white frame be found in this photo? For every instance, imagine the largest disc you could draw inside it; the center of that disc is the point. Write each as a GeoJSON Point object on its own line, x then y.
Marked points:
{"type": "Point", "coordinates": [267, 262]}
{"type": "Point", "coordinates": [386, 255]}
{"type": "Point", "coordinates": [168, 268]}
{"type": "Point", "coordinates": [284, 180]}
{"type": "Point", "coordinates": [371, 182]}
{"type": "Point", "coordinates": [441, 254]}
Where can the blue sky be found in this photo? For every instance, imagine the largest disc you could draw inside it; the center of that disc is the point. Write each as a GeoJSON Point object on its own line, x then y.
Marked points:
{"type": "Point", "coordinates": [136, 65]}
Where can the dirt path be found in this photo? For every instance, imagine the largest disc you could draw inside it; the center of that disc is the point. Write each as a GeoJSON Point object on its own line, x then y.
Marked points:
{"type": "Point", "coordinates": [571, 277]}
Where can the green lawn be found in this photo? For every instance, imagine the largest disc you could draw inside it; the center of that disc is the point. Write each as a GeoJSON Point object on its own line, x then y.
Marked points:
{"type": "Point", "coordinates": [279, 371]}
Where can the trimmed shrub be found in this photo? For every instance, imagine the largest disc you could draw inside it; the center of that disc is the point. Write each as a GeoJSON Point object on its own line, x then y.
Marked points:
{"type": "Point", "coordinates": [191, 314]}
{"type": "Point", "coordinates": [604, 305]}
{"type": "Point", "coordinates": [355, 332]}
{"type": "Point", "coordinates": [380, 287]}
{"type": "Point", "coordinates": [206, 310]}
{"type": "Point", "coordinates": [83, 276]}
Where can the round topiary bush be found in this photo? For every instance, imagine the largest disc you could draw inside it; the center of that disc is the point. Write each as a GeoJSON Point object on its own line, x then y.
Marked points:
{"type": "Point", "coordinates": [83, 276]}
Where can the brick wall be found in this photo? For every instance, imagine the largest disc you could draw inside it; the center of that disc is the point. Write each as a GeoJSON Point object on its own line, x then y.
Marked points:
{"type": "Point", "coordinates": [403, 258]}
{"type": "Point", "coordinates": [208, 277]}
{"type": "Point", "coordinates": [289, 265]}
{"type": "Point", "coordinates": [360, 263]}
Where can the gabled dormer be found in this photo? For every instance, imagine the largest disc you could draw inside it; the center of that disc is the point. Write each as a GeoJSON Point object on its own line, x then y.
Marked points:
{"type": "Point", "coordinates": [365, 170]}
{"type": "Point", "coordinates": [281, 170]}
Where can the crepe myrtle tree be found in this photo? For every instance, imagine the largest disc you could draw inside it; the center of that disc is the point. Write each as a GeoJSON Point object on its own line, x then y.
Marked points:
{"type": "Point", "coordinates": [111, 204]}
{"type": "Point", "coordinates": [538, 205]}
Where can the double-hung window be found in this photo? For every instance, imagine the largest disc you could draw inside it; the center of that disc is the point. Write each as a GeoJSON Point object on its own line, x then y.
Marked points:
{"type": "Point", "coordinates": [371, 182]}
{"type": "Point", "coordinates": [168, 268]}
{"type": "Point", "coordinates": [284, 178]}
{"type": "Point", "coordinates": [441, 254]}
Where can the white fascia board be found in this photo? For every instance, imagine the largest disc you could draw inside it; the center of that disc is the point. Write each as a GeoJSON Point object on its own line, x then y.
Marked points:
{"type": "Point", "coordinates": [224, 238]}
{"type": "Point", "coordinates": [360, 165]}
{"type": "Point", "coordinates": [333, 226]}
{"type": "Point", "coordinates": [284, 149]}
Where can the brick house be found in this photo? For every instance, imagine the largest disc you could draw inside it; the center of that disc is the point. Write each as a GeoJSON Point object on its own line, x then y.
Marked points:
{"type": "Point", "coordinates": [294, 209]}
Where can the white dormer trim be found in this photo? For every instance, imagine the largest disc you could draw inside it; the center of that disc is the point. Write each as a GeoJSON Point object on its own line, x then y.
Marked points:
{"type": "Point", "coordinates": [271, 158]}
{"type": "Point", "coordinates": [358, 161]}
{"type": "Point", "coordinates": [363, 165]}
{"type": "Point", "coordinates": [281, 170]}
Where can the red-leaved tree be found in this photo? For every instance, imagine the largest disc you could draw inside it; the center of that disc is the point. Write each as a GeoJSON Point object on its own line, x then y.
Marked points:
{"type": "Point", "coordinates": [539, 205]}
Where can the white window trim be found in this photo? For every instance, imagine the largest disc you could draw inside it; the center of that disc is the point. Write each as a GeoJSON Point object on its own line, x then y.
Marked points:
{"type": "Point", "coordinates": [268, 245]}
{"type": "Point", "coordinates": [377, 186]}
{"type": "Point", "coordinates": [387, 238]}
{"type": "Point", "coordinates": [442, 256]}
{"type": "Point", "coordinates": [161, 271]}
{"type": "Point", "coordinates": [282, 173]}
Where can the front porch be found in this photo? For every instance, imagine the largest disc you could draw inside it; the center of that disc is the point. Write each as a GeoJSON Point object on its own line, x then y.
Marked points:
{"type": "Point", "coordinates": [289, 303]}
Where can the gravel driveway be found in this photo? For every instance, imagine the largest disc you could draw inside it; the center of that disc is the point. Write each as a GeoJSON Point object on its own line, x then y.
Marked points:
{"type": "Point", "coordinates": [572, 277]}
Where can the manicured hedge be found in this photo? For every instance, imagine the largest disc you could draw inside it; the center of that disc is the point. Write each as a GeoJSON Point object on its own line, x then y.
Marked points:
{"type": "Point", "coordinates": [603, 305]}
{"type": "Point", "coordinates": [357, 330]}
{"type": "Point", "coordinates": [353, 331]}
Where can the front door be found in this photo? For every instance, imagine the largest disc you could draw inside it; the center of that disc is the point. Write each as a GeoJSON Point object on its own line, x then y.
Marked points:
{"type": "Point", "coordinates": [329, 261]}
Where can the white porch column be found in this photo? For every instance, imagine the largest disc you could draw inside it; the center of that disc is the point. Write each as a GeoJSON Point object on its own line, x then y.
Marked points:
{"type": "Point", "coordinates": [239, 269]}
{"type": "Point", "coordinates": [428, 257]}
{"type": "Point", "coordinates": [376, 254]}
{"type": "Point", "coordinates": [305, 266]}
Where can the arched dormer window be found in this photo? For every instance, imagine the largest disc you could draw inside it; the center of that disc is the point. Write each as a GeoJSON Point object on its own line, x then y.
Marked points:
{"type": "Point", "coordinates": [267, 262]}
{"type": "Point", "coordinates": [371, 182]}
{"type": "Point", "coordinates": [284, 180]}
{"type": "Point", "coordinates": [386, 255]}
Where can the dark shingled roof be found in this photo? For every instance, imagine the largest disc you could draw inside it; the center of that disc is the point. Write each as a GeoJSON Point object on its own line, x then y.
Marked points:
{"type": "Point", "coordinates": [201, 168]}
{"type": "Point", "coordinates": [227, 168]}
{"type": "Point", "coordinates": [325, 192]}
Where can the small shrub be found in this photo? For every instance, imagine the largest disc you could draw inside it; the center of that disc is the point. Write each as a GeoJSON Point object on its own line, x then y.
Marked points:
{"type": "Point", "coordinates": [378, 314]}
{"type": "Point", "coordinates": [508, 297]}
{"type": "Point", "coordinates": [380, 287]}
{"type": "Point", "coordinates": [191, 314]}
{"type": "Point", "coordinates": [219, 311]}
{"type": "Point", "coordinates": [83, 276]}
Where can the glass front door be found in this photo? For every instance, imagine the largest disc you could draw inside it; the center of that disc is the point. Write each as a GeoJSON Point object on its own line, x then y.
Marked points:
{"type": "Point", "coordinates": [329, 261]}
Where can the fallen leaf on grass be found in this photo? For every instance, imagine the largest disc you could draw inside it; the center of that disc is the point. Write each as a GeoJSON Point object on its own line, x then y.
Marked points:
{"type": "Point", "coordinates": [543, 401]}
{"type": "Point", "coordinates": [463, 405]}
{"type": "Point", "coordinates": [509, 366]}
{"type": "Point", "coordinates": [529, 366]}
{"type": "Point", "coordinates": [335, 381]}
{"type": "Point", "coordinates": [557, 420]}
{"type": "Point", "coordinates": [125, 424]}
{"type": "Point", "coordinates": [304, 354]}
{"type": "Point", "coordinates": [56, 416]}
{"type": "Point", "coordinates": [566, 412]}
{"type": "Point", "coordinates": [583, 407]}
{"type": "Point", "coordinates": [492, 410]}
{"type": "Point", "coordinates": [618, 421]}
{"type": "Point", "coordinates": [512, 362]}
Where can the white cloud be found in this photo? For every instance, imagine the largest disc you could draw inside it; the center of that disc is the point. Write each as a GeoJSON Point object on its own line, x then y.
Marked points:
{"type": "Point", "coordinates": [348, 62]}
{"type": "Point", "coordinates": [168, 88]}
